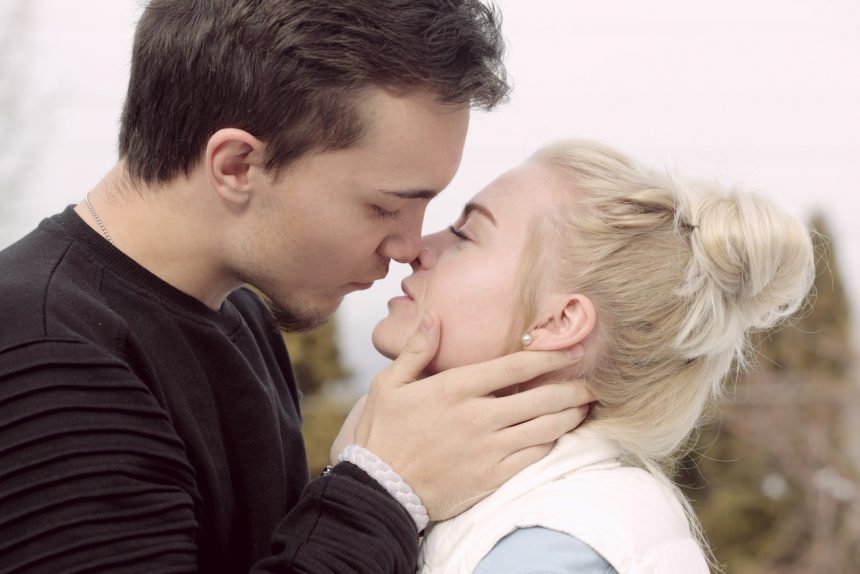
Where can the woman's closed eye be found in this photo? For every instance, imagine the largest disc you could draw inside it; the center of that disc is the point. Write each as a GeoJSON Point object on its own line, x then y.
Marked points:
{"type": "Point", "coordinates": [458, 233]}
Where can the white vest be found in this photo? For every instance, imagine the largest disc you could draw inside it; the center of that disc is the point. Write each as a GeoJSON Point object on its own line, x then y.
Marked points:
{"type": "Point", "coordinates": [580, 489]}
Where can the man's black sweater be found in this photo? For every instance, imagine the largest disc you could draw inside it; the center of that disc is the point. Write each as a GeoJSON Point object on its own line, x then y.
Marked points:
{"type": "Point", "coordinates": [141, 431]}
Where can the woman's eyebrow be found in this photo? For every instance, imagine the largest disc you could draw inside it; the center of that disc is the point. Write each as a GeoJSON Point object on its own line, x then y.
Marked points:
{"type": "Point", "coordinates": [472, 206]}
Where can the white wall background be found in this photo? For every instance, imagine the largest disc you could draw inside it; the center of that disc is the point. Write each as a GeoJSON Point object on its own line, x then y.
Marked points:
{"type": "Point", "coordinates": [763, 92]}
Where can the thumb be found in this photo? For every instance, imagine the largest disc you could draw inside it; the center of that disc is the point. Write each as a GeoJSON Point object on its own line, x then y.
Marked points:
{"type": "Point", "coordinates": [420, 349]}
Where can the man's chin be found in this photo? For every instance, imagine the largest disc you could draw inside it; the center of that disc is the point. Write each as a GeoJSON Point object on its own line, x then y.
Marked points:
{"type": "Point", "coordinates": [294, 321]}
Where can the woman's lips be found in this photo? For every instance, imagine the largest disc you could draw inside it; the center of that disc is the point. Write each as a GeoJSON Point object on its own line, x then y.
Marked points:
{"type": "Point", "coordinates": [405, 289]}
{"type": "Point", "coordinates": [405, 298]}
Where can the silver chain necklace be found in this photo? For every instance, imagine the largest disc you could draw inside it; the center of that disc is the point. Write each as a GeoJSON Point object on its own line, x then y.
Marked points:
{"type": "Point", "coordinates": [98, 219]}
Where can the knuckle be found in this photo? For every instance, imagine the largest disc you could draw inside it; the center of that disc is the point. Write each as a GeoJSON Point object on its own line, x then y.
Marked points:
{"type": "Point", "coordinates": [379, 381]}
{"type": "Point", "coordinates": [414, 344]}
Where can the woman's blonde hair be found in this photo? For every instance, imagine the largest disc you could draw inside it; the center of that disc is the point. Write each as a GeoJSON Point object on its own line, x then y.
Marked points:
{"type": "Point", "coordinates": [680, 274]}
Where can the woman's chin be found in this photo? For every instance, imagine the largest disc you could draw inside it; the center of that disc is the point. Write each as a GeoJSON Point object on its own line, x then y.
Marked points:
{"type": "Point", "coordinates": [387, 354]}
{"type": "Point", "coordinates": [384, 344]}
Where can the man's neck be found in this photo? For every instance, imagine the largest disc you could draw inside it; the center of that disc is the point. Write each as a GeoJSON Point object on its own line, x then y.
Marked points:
{"type": "Point", "coordinates": [171, 230]}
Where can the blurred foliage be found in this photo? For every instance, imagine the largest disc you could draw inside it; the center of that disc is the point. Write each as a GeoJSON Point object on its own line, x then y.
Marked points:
{"type": "Point", "coordinates": [316, 358]}
{"type": "Point", "coordinates": [774, 482]}
{"type": "Point", "coordinates": [320, 374]}
{"type": "Point", "coordinates": [322, 418]}
{"type": "Point", "coordinates": [819, 340]}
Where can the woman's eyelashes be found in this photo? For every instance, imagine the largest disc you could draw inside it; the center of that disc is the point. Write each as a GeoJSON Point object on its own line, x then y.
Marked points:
{"type": "Point", "coordinates": [385, 214]}
{"type": "Point", "coordinates": [458, 233]}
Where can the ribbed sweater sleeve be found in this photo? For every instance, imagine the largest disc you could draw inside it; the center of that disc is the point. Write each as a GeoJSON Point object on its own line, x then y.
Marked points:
{"type": "Point", "coordinates": [92, 475]}
{"type": "Point", "coordinates": [94, 479]}
{"type": "Point", "coordinates": [345, 522]}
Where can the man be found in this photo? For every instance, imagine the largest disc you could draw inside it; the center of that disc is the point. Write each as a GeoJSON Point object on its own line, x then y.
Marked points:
{"type": "Point", "coordinates": [148, 415]}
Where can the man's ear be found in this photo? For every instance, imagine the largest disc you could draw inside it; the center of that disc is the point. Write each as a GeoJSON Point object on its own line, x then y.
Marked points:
{"type": "Point", "coordinates": [570, 320]}
{"type": "Point", "coordinates": [231, 155]}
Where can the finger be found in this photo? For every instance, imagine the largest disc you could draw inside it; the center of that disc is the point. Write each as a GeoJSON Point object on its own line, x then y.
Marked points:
{"type": "Point", "coordinates": [544, 399]}
{"type": "Point", "coordinates": [517, 461]}
{"type": "Point", "coordinates": [486, 378]}
{"type": "Point", "coordinates": [420, 349]}
{"type": "Point", "coordinates": [541, 430]}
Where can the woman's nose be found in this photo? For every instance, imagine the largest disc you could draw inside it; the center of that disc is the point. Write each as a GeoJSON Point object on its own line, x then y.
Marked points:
{"type": "Point", "coordinates": [431, 247]}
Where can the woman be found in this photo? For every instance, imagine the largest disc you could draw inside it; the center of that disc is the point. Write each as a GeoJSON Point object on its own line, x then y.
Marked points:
{"type": "Point", "coordinates": [661, 285]}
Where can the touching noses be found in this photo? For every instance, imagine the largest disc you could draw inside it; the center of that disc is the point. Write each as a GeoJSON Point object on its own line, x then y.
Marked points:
{"type": "Point", "coordinates": [431, 247]}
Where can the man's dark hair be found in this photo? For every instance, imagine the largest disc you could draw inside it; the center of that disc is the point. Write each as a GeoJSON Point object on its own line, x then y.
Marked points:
{"type": "Point", "coordinates": [291, 71]}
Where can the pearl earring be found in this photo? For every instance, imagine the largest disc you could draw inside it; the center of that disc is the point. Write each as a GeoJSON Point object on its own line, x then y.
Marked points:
{"type": "Point", "coordinates": [527, 340]}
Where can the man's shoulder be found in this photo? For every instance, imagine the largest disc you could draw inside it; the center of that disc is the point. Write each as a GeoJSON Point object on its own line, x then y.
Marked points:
{"type": "Point", "coordinates": [27, 265]}
{"type": "Point", "coordinates": [48, 291]}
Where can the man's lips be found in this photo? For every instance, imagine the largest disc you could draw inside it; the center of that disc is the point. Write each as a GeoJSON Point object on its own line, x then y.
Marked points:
{"type": "Point", "coordinates": [362, 285]}
{"type": "Point", "coordinates": [383, 273]}
{"type": "Point", "coordinates": [372, 280]}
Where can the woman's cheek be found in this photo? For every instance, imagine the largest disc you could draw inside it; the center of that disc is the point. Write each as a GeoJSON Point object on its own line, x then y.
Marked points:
{"type": "Point", "coordinates": [461, 344]}
{"type": "Point", "coordinates": [478, 332]}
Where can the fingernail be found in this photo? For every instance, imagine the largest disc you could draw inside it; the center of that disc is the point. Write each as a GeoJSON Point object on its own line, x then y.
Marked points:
{"type": "Point", "coordinates": [426, 322]}
{"type": "Point", "coordinates": [575, 353]}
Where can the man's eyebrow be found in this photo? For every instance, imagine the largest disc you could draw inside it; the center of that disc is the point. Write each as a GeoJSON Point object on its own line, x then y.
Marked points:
{"type": "Point", "coordinates": [472, 206]}
{"type": "Point", "coordinates": [427, 194]}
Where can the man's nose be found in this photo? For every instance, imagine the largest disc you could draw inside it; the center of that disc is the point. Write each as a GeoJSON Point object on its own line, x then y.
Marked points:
{"type": "Point", "coordinates": [401, 248]}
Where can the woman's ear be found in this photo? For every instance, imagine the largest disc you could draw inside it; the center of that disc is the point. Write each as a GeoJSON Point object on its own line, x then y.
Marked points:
{"type": "Point", "coordinates": [571, 319]}
{"type": "Point", "coordinates": [231, 155]}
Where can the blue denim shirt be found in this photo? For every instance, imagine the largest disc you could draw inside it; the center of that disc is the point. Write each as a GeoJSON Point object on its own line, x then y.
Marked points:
{"type": "Point", "coordinates": [542, 551]}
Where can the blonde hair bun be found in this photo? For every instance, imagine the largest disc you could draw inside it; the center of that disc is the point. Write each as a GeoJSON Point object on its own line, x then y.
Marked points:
{"type": "Point", "coordinates": [749, 268]}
